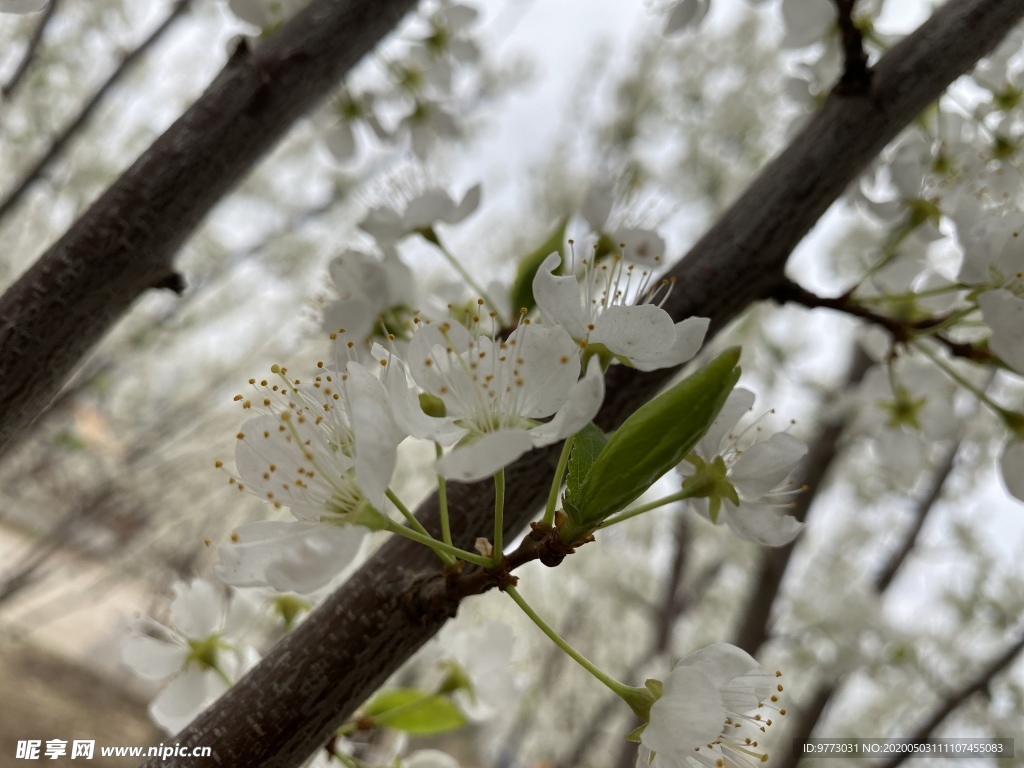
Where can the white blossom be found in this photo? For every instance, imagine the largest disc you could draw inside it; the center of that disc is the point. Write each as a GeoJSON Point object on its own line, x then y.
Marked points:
{"type": "Point", "coordinates": [493, 393]}
{"type": "Point", "coordinates": [611, 309]}
{"type": "Point", "coordinates": [202, 653]}
{"type": "Point", "coordinates": [643, 246]}
{"type": "Point", "coordinates": [714, 705]}
{"type": "Point", "coordinates": [746, 485]}
{"type": "Point", "coordinates": [1003, 312]}
{"type": "Point", "coordinates": [388, 226]}
{"type": "Point", "coordinates": [325, 449]}
{"type": "Point", "coordinates": [289, 556]}
{"type": "Point", "coordinates": [369, 290]}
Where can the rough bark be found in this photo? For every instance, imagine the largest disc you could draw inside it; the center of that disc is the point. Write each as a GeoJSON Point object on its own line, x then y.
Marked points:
{"type": "Point", "coordinates": [125, 243]}
{"type": "Point", "coordinates": [279, 713]}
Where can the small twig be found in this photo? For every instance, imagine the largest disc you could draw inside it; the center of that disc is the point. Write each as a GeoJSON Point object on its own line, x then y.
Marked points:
{"type": "Point", "coordinates": [88, 109]}
{"type": "Point", "coordinates": [8, 89]}
{"type": "Point", "coordinates": [856, 77]}
{"type": "Point", "coordinates": [902, 331]}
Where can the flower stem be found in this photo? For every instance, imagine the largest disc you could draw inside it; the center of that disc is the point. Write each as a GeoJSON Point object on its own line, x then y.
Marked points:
{"type": "Point", "coordinates": [430, 236]}
{"type": "Point", "coordinates": [683, 494]}
{"type": "Point", "coordinates": [446, 552]}
{"type": "Point", "coordinates": [556, 483]}
{"type": "Point", "coordinates": [406, 513]}
{"type": "Point", "coordinates": [442, 502]}
{"type": "Point", "coordinates": [620, 689]}
{"type": "Point", "coordinates": [499, 514]}
{"type": "Point", "coordinates": [963, 382]}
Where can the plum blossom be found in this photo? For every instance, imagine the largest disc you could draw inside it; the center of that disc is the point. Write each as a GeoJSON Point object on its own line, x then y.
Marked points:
{"type": "Point", "coordinates": [478, 662]}
{"type": "Point", "coordinates": [610, 312]}
{"type": "Point", "coordinates": [369, 290]}
{"type": "Point", "coordinates": [491, 393]}
{"type": "Point", "coordinates": [1003, 312]}
{"type": "Point", "coordinates": [643, 246]}
{"type": "Point", "coordinates": [326, 450]}
{"type": "Point", "coordinates": [289, 556]}
{"type": "Point", "coordinates": [903, 421]}
{"type": "Point", "coordinates": [748, 487]}
{"type": "Point", "coordinates": [714, 705]}
{"type": "Point", "coordinates": [388, 226]}
{"type": "Point", "coordinates": [202, 653]}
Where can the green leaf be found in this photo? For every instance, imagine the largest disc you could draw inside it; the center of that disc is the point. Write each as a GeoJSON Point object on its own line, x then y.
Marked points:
{"type": "Point", "coordinates": [651, 442]}
{"type": "Point", "coordinates": [521, 293]}
{"type": "Point", "coordinates": [414, 711]}
{"type": "Point", "coordinates": [586, 445]}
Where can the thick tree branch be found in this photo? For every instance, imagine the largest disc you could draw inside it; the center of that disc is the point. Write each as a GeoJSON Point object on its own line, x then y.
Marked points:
{"type": "Point", "coordinates": [8, 89]}
{"type": "Point", "coordinates": [287, 707]}
{"type": "Point", "coordinates": [63, 139]}
{"type": "Point", "coordinates": [124, 244]}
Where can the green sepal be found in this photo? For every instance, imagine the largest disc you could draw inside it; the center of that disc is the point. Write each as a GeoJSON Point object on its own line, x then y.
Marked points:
{"type": "Point", "coordinates": [521, 294]}
{"type": "Point", "coordinates": [414, 711]}
{"type": "Point", "coordinates": [651, 442]}
{"type": "Point", "coordinates": [636, 733]}
{"type": "Point", "coordinates": [655, 686]}
{"type": "Point", "coordinates": [586, 446]}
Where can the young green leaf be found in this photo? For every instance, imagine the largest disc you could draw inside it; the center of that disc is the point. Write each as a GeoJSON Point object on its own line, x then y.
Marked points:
{"type": "Point", "coordinates": [650, 442]}
{"type": "Point", "coordinates": [521, 293]}
{"type": "Point", "coordinates": [414, 711]}
{"type": "Point", "coordinates": [586, 445]}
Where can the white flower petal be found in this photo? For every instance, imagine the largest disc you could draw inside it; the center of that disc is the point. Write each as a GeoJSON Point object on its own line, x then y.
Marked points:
{"type": "Point", "coordinates": [558, 298]}
{"type": "Point", "coordinates": [688, 714]}
{"type": "Point", "coordinates": [740, 401]}
{"type": "Point", "coordinates": [483, 457]}
{"type": "Point", "coordinates": [643, 246]}
{"type": "Point", "coordinates": [184, 698]}
{"type": "Point", "coordinates": [644, 335]}
{"type": "Point", "coordinates": [288, 556]}
{"type": "Point", "coordinates": [376, 434]}
{"type": "Point", "coordinates": [198, 608]}
{"type": "Point", "coordinates": [548, 368]}
{"type": "Point", "coordinates": [764, 466]}
{"type": "Point", "coordinates": [467, 205]}
{"type": "Point", "coordinates": [584, 402]}
{"type": "Point", "coordinates": [760, 524]}
{"type": "Point", "coordinates": [429, 758]}
{"type": "Point", "coordinates": [597, 206]}
{"type": "Point", "coordinates": [153, 659]}
{"type": "Point", "coordinates": [1004, 314]}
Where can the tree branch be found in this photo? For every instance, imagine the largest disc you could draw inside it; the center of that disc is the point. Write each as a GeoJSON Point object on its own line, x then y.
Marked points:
{"type": "Point", "coordinates": [62, 140]}
{"type": "Point", "coordinates": [856, 77]}
{"type": "Point", "coordinates": [8, 89]}
{"type": "Point", "coordinates": [902, 331]}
